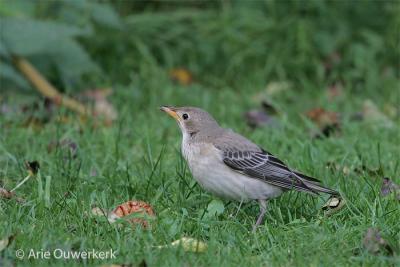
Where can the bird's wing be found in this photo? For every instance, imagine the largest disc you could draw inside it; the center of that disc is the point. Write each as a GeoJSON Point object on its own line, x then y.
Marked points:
{"type": "Point", "coordinates": [245, 157]}
{"type": "Point", "coordinates": [264, 166]}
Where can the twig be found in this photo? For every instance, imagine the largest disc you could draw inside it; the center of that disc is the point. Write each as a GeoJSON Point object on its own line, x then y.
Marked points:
{"type": "Point", "coordinates": [21, 183]}
{"type": "Point", "coordinates": [47, 89]}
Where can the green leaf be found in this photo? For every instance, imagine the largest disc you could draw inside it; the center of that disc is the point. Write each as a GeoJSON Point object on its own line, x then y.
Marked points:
{"type": "Point", "coordinates": [27, 37]}
{"type": "Point", "coordinates": [215, 208]}
{"type": "Point", "coordinates": [105, 15]}
{"type": "Point", "coordinates": [17, 8]}
{"type": "Point", "coordinates": [3, 50]}
{"type": "Point", "coordinates": [71, 59]}
{"type": "Point", "coordinates": [8, 73]}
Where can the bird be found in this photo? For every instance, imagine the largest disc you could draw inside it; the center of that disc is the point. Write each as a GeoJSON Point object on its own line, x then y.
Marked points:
{"type": "Point", "coordinates": [230, 166]}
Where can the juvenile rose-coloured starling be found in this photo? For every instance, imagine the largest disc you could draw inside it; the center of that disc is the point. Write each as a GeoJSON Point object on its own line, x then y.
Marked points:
{"type": "Point", "coordinates": [232, 167]}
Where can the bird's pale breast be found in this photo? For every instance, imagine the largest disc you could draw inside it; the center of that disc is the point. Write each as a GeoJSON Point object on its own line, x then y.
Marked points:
{"type": "Point", "coordinates": [207, 167]}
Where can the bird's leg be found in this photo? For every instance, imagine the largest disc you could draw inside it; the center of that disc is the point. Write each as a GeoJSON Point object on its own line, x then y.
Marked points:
{"type": "Point", "coordinates": [263, 210]}
{"type": "Point", "coordinates": [240, 205]}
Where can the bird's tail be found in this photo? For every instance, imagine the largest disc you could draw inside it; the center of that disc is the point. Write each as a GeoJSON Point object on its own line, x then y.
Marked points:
{"type": "Point", "coordinates": [315, 185]}
{"type": "Point", "coordinates": [319, 188]}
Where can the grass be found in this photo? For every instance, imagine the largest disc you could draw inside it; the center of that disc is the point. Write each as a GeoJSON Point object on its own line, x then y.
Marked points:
{"type": "Point", "coordinates": [138, 157]}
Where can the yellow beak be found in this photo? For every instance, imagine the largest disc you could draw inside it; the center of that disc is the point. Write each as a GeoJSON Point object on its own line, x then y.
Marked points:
{"type": "Point", "coordinates": [171, 111]}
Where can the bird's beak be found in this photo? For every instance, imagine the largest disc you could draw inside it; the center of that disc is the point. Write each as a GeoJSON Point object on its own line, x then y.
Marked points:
{"type": "Point", "coordinates": [171, 111]}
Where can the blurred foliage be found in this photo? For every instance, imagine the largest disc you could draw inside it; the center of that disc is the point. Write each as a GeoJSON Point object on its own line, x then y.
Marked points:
{"type": "Point", "coordinates": [75, 42]}
{"type": "Point", "coordinates": [47, 33]}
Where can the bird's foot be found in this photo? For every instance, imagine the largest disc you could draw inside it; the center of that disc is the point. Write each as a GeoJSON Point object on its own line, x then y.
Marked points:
{"type": "Point", "coordinates": [263, 210]}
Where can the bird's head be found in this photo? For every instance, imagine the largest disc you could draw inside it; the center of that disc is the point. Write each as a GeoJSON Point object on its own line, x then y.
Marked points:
{"type": "Point", "coordinates": [191, 120]}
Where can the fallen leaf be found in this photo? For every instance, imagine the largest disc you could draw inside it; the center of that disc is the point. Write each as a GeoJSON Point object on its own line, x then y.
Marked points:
{"type": "Point", "coordinates": [323, 117]}
{"type": "Point", "coordinates": [140, 208]}
{"type": "Point", "coordinates": [333, 205]}
{"type": "Point", "coordinates": [388, 187]}
{"type": "Point", "coordinates": [32, 167]}
{"type": "Point", "coordinates": [334, 91]}
{"type": "Point", "coordinates": [104, 108]}
{"type": "Point", "coordinates": [257, 118]}
{"type": "Point", "coordinates": [5, 193]}
{"type": "Point", "coordinates": [327, 121]}
{"type": "Point", "coordinates": [274, 88]}
{"type": "Point", "coordinates": [101, 106]}
{"type": "Point", "coordinates": [65, 144]}
{"type": "Point", "coordinates": [181, 76]}
{"type": "Point", "coordinates": [374, 243]}
{"type": "Point", "coordinates": [262, 117]}
{"type": "Point", "coordinates": [372, 114]}
{"type": "Point", "coordinates": [96, 211]}
{"type": "Point", "coordinates": [188, 244]}
{"type": "Point", "coordinates": [4, 243]}
{"type": "Point", "coordinates": [346, 170]}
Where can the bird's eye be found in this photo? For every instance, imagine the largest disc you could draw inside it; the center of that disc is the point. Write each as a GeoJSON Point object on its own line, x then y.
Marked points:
{"type": "Point", "coordinates": [185, 116]}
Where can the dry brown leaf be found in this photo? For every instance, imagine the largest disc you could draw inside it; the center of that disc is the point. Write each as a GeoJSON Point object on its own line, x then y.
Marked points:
{"type": "Point", "coordinates": [140, 208]}
{"type": "Point", "coordinates": [322, 117]}
{"type": "Point", "coordinates": [65, 144]}
{"type": "Point", "coordinates": [388, 187]}
{"type": "Point", "coordinates": [6, 194]}
{"type": "Point", "coordinates": [374, 243]}
{"type": "Point", "coordinates": [181, 76]}
{"type": "Point", "coordinates": [257, 118]}
{"type": "Point", "coordinates": [334, 91]}
{"type": "Point", "coordinates": [101, 106]}
{"type": "Point", "coordinates": [327, 121]}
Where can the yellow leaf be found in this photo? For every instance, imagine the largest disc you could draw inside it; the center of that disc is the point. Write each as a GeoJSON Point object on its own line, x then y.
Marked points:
{"type": "Point", "coordinates": [5, 242]}
{"type": "Point", "coordinates": [333, 205]}
{"type": "Point", "coordinates": [182, 76]}
{"type": "Point", "coordinates": [188, 244]}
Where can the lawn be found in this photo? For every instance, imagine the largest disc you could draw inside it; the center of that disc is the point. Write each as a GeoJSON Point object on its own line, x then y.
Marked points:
{"type": "Point", "coordinates": [138, 157]}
